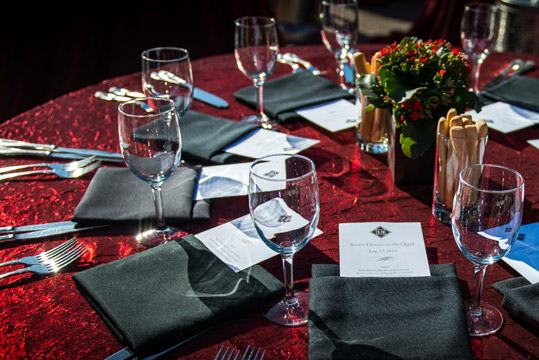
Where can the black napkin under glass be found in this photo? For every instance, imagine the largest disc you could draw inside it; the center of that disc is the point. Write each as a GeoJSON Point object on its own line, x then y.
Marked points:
{"type": "Point", "coordinates": [387, 318]}
{"type": "Point", "coordinates": [117, 195]}
{"type": "Point", "coordinates": [290, 92]}
{"type": "Point", "coordinates": [517, 90]}
{"type": "Point", "coordinates": [173, 291]}
{"type": "Point", "coordinates": [520, 299]}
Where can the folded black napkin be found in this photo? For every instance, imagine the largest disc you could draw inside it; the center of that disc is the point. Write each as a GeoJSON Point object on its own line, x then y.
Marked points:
{"type": "Point", "coordinates": [387, 318]}
{"type": "Point", "coordinates": [520, 299]}
{"type": "Point", "coordinates": [117, 195]}
{"type": "Point", "coordinates": [517, 90]}
{"type": "Point", "coordinates": [204, 137]}
{"type": "Point", "coordinates": [290, 92]}
{"type": "Point", "coordinates": [170, 292]}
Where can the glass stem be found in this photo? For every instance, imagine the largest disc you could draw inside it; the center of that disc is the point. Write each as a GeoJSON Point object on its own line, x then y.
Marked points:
{"type": "Point", "coordinates": [479, 275]}
{"type": "Point", "coordinates": [475, 71]}
{"type": "Point", "coordinates": [341, 61]}
{"type": "Point", "coordinates": [288, 268]}
{"type": "Point", "coordinates": [159, 210]}
{"type": "Point", "coordinates": [259, 98]}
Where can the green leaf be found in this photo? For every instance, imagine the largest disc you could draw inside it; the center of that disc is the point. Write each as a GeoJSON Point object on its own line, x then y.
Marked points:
{"type": "Point", "coordinates": [417, 137]}
{"type": "Point", "coordinates": [371, 89]}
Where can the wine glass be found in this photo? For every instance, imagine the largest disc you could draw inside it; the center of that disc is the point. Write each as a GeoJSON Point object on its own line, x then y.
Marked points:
{"type": "Point", "coordinates": [285, 207]}
{"type": "Point", "coordinates": [478, 33]}
{"type": "Point", "coordinates": [151, 147]}
{"type": "Point", "coordinates": [256, 47]}
{"type": "Point", "coordinates": [486, 219]}
{"type": "Point", "coordinates": [166, 72]}
{"type": "Point", "coordinates": [340, 21]}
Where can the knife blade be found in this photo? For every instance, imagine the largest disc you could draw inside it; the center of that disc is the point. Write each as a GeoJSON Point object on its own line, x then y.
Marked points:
{"type": "Point", "coordinates": [25, 152]}
{"type": "Point", "coordinates": [46, 232]}
{"type": "Point", "coordinates": [513, 65]}
{"type": "Point", "coordinates": [26, 228]}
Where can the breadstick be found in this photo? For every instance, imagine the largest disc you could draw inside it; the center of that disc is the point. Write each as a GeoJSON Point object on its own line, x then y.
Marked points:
{"type": "Point", "coordinates": [472, 146]}
{"type": "Point", "coordinates": [442, 157]}
{"type": "Point", "coordinates": [467, 119]}
{"type": "Point", "coordinates": [360, 64]}
{"type": "Point", "coordinates": [458, 151]}
{"type": "Point", "coordinates": [374, 63]}
{"type": "Point", "coordinates": [456, 121]}
{"type": "Point", "coordinates": [451, 113]}
{"type": "Point", "coordinates": [367, 117]}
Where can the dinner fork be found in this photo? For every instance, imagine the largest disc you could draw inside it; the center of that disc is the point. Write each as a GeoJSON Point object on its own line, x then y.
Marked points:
{"type": "Point", "coordinates": [73, 173]}
{"type": "Point", "coordinates": [67, 166]}
{"type": "Point", "coordinates": [51, 266]}
{"type": "Point", "coordinates": [246, 355]}
{"type": "Point", "coordinates": [48, 255]}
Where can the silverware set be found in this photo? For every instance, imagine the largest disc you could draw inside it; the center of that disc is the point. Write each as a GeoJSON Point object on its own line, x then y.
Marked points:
{"type": "Point", "coordinates": [12, 233]}
{"type": "Point", "coordinates": [247, 355]}
{"type": "Point", "coordinates": [48, 262]}
{"type": "Point", "coordinates": [516, 67]}
{"type": "Point", "coordinates": [70, 170]}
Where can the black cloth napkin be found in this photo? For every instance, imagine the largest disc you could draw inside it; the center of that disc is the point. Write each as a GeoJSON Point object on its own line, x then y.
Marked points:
{"type": "Point", "coordinates": [517, 90]}
{"type": "Point", "coordinates": [520, 299]}
{"type": "Point", "coordinates": [290, 92]}
{"type": "Point", "coordinates": [387, 318]}
{"type": "Point", "coordinates": [117, 195]}
{"type": "Point", "coordinates": [204, 137]}
{"type": "Point", "coordinates": [173, 291]}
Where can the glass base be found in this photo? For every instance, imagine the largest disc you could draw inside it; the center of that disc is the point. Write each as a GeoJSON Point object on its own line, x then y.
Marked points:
{"type": "Point", "coordinates": [294, 314]}
{"type": "Point", "coordinates": [441, 214]}
{"type": "Point", "coordinates": [372, 148]}
{"type": "Point", "coordinates": [487, 322]}
{"type": "Point", "coordinates": [265, 122]}
{"type": "Point", "coordinates": [154, 237]}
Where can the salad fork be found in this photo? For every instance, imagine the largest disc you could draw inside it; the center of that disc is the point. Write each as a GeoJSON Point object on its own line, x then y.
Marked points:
{"type": "Point", "coordinates": [52, 265]}
{"type": "Point", "coordinates": [73, 173]}
{"type": "Point", "coordinates": [45, 256]}
{"type": "Point", "coordinates": [67, 166]}
{"type": "Point", "coordinates": [246, 356]}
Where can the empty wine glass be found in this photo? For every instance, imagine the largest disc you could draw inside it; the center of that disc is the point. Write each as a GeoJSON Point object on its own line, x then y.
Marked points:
{"type": "Point", "coordinates": [256, 47]}
{"type": "Point", "coordinates": [285, 207]}
{"type": "Point", "coordinates": [166, 72]}
{"type": "Point", "coordinates": [151, 147]}
{"type": "Point", "coordinates": [486, 219]}
{"type": "Point", "coordinates": [340, 21]}
{"type": "Point", "coordinates": [478, 33]}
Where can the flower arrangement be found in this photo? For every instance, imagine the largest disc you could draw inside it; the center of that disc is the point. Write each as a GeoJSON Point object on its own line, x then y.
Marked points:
{"type": "Point", "coordinates": [420, 81]}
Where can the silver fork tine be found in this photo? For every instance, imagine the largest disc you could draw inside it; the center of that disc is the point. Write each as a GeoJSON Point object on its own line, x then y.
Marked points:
{"type": "Point", "coordinates": [252, 352]}
{"type": "Point", "coordinates": [67, 258]}
{"type": "Point", "coordinates": [73, 173]}
{"type": "Point", "coordinates": [65, 166]}
{"type": "Point", "coordinates": [47, 255]}
{"type": "Point", "coordinates": [246, 352]}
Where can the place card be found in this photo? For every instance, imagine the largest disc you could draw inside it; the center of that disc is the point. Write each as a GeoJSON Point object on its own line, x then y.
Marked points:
{"type": "Point", "coordinates": [505, 117]}
{"type": "Point", "coordinates": [382, 249]}
{"type": "Point", "coordinates": [334, 116]}
{"type": "Point", "coordinates": [262, 142]}
{"type": "Point", "coordinates": [223, 181]}
{"type": "Point", "coordinates": [534, 143]}
{"type": "Point", "coordinates": [524, 254]}
{"type": "Point", "coordinates": [237, 244]}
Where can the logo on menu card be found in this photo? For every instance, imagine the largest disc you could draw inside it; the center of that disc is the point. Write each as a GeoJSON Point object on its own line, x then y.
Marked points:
{"type": "Point", "coordinates": [380, 232]}
{"type": "Point", "coordinates": [271, 173]}
{"type": "Point", "coordinates": [285, 218]}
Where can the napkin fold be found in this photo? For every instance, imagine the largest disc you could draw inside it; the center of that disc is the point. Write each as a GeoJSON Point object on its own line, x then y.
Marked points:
{"type": "Point", "coordinates": [517, 90]}
{"type": "Point", "coordinates": [387, 318]}
{"type": "Point", "coordinates": [290, 92]}
{"type": "Point", "coordinates": [520, 299]}
{"type": "Point", "coordinates": [117, 195]}
{"type": "Point", "coordinates": [204, 137]}
{"type": "Point", "coordinates": [173, 291]}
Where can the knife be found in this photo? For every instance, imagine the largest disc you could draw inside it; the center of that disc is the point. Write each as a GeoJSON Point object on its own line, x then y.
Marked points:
{"type": "Point", "coordinates": [26, 228]}
{"type": "Point", "coordinates": [24, 152]}
{"type": "Point", "coordinates": [198, 93]}
{"type": "Point", "coordinates": [62, 229]}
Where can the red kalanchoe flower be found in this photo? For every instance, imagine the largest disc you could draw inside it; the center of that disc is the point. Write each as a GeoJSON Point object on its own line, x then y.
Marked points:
{"type": "Point", "coordinates": [414, 116]}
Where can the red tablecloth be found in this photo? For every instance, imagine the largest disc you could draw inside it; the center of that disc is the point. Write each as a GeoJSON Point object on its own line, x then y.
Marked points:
{"type": "Point", "coordinates": [46, 317]}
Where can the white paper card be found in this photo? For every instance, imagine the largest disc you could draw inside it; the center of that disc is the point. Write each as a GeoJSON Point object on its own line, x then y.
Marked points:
{"type": "Point", "coordinates": [524, 254]}
{"type": "Point", "coordinates": [534, 143]}
{"type": "Point", "coordinates": [237, 244]}
{"type": "Point", "coordinates": [264, 142]}
{"type": "Point", "coordinates": [334, 116]}
{"type": "Point", "coordinates": [382, 249]}
{"type": "Point", "coordinates": [223, 181]}
{"type": "Point", "coordinates": [505, 117]}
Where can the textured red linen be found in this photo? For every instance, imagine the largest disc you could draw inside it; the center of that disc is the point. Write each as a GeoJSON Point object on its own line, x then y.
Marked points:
{"type": "Point", "coordinates": [47, 318]}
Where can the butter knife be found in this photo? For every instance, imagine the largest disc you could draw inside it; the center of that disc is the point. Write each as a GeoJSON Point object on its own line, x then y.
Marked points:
{"type": "Point", "coordinates": [9, 151]}
{"type": "Point", "coordinates": [62, 229]}
{"type": "Point", "coordinates": [26, 228]}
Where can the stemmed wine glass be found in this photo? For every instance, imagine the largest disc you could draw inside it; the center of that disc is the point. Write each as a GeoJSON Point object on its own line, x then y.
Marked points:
{"type": "Point", "coordinates": [340, 21]}
{"type": "Point", "coordinates": [285, 207]}
{"type": "Point", "coordinates": [478, 33]}
{"type": "Point", "coordinates": [486, 219]}
{"type": "Point", "coordinates": [151, 147]}
{"type": "Point", "coordinates": [256, 47]}
{"type": "Point", "coordinates": [166, 72]}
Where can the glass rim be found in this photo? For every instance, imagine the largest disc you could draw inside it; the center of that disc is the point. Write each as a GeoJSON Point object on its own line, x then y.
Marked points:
{"type": "Point", "coordinates": [185, 54]}
{"type": "Point", "coordinates": [267, 178]}
{"type": "Point", "coordinates": [480, 6]}
{"type": "Point", "coordinates": [145, 99]}
{"type": "Point", "coordinates": [268, 21]}
{"type": "Point", "coordinates": [339, 3]}
{"type": "Point", "coordinates": [518, 177]}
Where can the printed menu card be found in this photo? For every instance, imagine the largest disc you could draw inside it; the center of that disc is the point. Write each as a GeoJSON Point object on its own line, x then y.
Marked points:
{"type": "Point", "coordinates": [382, 249]}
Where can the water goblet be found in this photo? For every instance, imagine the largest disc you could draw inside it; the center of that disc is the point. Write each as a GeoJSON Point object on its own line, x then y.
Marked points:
{"type": "Point", "coordinates": [284, 206]}
{"type": "Point", "coordinates": [478, 32]}
{"type": "Point", "coordinates": [166, 72]}
{"type": "Point", "coordinates": [256, 47]}
{"type": "Point", "coordinates": [486, 219]}
{"type": "Point", "coordinates": [340, 21]}
{"type": "Point", "coordinates": [151, 146]}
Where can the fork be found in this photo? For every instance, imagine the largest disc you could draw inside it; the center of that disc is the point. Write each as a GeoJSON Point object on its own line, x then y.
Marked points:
{"type": "Point", "coordinates": [44, 256]}
{"type": "Point", "coordinates": [52, 266]}
{"type": "Point", "coordinates": [72, 173]}
{"type": "Point", "coordinates": [244, 357]}
{"type": "Point", "coordinates": [66, 166]}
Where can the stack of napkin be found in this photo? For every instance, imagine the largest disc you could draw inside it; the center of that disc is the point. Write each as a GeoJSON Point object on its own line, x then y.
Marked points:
{"type": "Point", "coordinates": [290, 92]}
{"type": "Point", "coordinates": [156, 298]}
{"type": "Point", "coordinates": [517, 90]}
{"type": "Point", "coordinates": [387, 318]}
